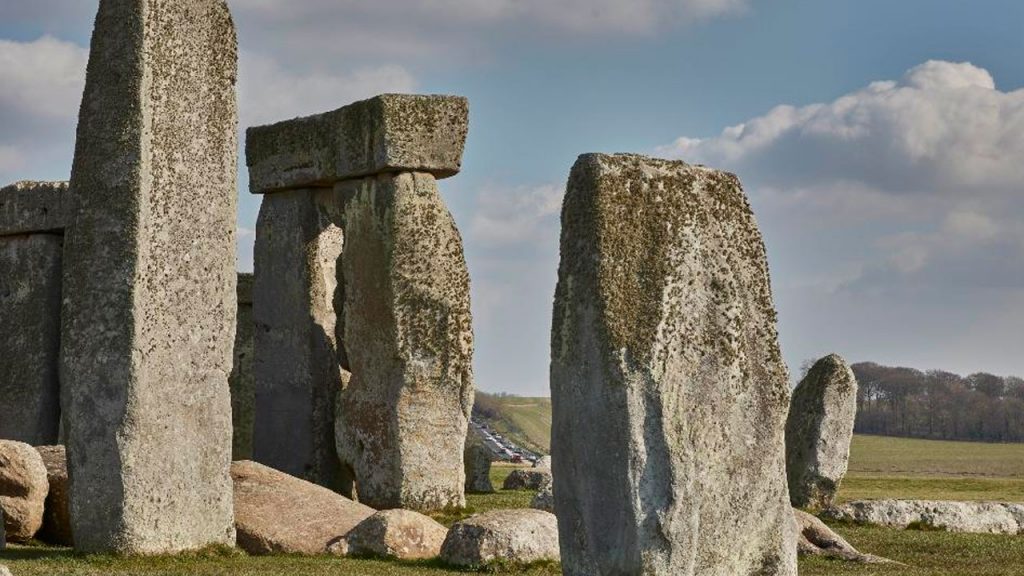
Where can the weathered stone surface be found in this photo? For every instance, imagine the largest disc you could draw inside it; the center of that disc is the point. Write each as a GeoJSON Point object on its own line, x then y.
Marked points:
{"type": "Point", "coordinates": [408, 334]}
{"type": "Point", "coordinates": [668, 388]}
{"type": "Point", "coordinates": [513, 536]}
{"type": "Point", "coordinates": [33, 207]}
{"type": "Point", "coordinates": [386, 134]}
{"type": "Point", "coordinates": [817, 539]}
{"type": "Point", "coordinates": [968, 517]}
{"type": "Point", "coordinates": [543, 462]}
{"type": "Point", "coordinates": [57, 517]}
{"type": "Point", "coordinates": [242, 380]}
{"type": "Point", "coordinates": [819, 431]}
{"type": "Point", "coordinates": [3, 531]}
{"type": "Point", "coordinates": [545, 497]}
{"type": "Point", "coordinates": [149, 298]}
{"type": "Point", "coordinates": [397, 534]}
{"type": "Point", "coordinates": [278, 513]}
{"type": "Point", "coordinates": [297, 361]}
{"type": "Point", "coordinates": [527, 479]}
{"type": "Point", "coordinates": [4, 571]}
{"type": "Point", "coordinates": [477, 461]}
{"type": "Point", "coordinates": [23, 489]}
{"type": "Point", "coordinates": [30, 301]}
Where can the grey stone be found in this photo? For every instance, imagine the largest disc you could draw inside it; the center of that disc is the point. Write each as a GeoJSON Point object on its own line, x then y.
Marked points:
{"type": "Point", "coordinates": [242, 380]}
{"type": "Point", "coordinates": [396, 534]}
{"type": "Point", "coordinates": [297, 361]}
{"type": "Point", "coordinates": [527, 479]}
{"type": "Point", "coordinates": [23, 490]}
{"type": "Point", "coordinates": [279, 514]}
{"type": "Point", "coordinates": [819, 431]}
{"type": "Point", "coordinates": [4, 571]}
{"type": "Point", "coordinates": [389, 133]}
{"type": "Point", "coordinates": [3, 532]}
{"type": "Point", "coordinates": [57, 516]}
{"type": "Point", "coordinates": [149, 297]}
{"type": "Point", "coordinates": [545, 497]}
{"type": "Point", "coordinates": [33, 207]}
{"type": "Point", "coordinates": [817, 539]}
{"type": "Point", "coordinates": [543, 462]}
{"type": "Point", "coordinates": [30, 308]}
{"type": "Point", "coordinates": [966, 517]}
{"type": "Point", "coordinates": [669, 392]}
{"type": "Point", "coordinates": [508, 536]}
{"type": "Point", "coordinates": [477, 461]}
{"type": "Point", "coordinates": [407, 331]}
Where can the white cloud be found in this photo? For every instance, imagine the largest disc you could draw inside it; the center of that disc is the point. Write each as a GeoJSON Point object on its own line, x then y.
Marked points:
{"type": "Point", "coordinates": [509, 216]}
{"type": "Point", "coordinates": [42, 78]}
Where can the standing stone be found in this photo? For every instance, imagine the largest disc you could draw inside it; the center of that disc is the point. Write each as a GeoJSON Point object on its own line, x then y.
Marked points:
{"type": "Point", "coordinates": [409, 340]}
{"type": "Point", "coordinates": [669, 391]}
{"type": "Point", "coordinates": [369, 295]}
{"type": "Point", "coordinates": [819, 431]}
{"type": "Point", "coordinates": [149, 298]}
{"type": "Point", "coordinates": [297, 366]}
{"type": "Point", "coordinates": [32, 220]}
{"type": "Point", "coordinates": [477, 461]}
{"type": "Point", "coordinates": [243, 387]}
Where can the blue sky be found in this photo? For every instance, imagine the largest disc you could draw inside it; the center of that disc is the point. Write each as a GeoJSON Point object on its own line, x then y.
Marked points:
{"type": "Point", "coordinates": [885, 171]}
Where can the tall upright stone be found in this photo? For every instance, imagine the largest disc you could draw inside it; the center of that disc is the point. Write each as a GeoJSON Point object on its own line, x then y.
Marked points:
{"type": "Point", "coordinates": [32, 219]}
{"type": "Point", "coordinates": [297, 368]}
{"type": "Point", "coordinates": [242, 383]}
{"type": "Point", "coordinates": [353, 227]}
{"type": "Point", "coordinates": [409, 337]}
{"type": "Point", "coordinates": [819, 431]}
{"type": "Point", "coordinates": [149, 297]}
{"type": "Point", "coordinates": [668, 387]}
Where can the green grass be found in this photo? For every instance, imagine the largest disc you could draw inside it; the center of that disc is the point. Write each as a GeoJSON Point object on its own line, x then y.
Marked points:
{"type": "Point", "coordinates": [526, 421]}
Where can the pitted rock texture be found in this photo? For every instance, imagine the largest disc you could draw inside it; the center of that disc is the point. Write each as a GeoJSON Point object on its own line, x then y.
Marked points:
{"type": "Point", "coordinates": [391, 133]}
{"type": "Point", "coordinates": [819, 431]}
{"type": "Point", "coordinates": [57, 517]}
{"type": "Point", "coordinates": [30, 301]}
{"type": "Point", "coordinates": [669, 391]}
{"type": "Point", "coordinates": [149, 297]}
{"type": "Point", "coordinates": [543, 462]}
{"type": "Point", "coordinates": [968, 517]}
{"type": "Point", "coordinates": [23, 490]}
{"type": "Point", "coordinates": [545, 497]}
{"type": "Point", "coordinates": [527, 479]}
{"type": "Point", "coordinates": [277, 513]}
{"type": "Point", "coordinates": [396, 534]}
{"type": "Point", "coordinates": [408, 334]}
{"type": "Point", "coordinates": [4, 571]}
{"type": "Point", "coordinates": [33, 207]}
{"type": "Point", "coordinates": [298, 364]}
{"type": "Point", "coordinates": [508, 536]}
{"type": "Point", "coordinates": [817, 539]}
{"type": "Point", "coordinates": [477, 461]}
{"type": "Point", "coordinates": [242, 380]}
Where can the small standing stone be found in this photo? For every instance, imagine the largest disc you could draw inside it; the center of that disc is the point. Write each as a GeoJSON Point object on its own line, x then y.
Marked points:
{"type": "Point", "coordinates": [243, 392]}
{"type": "Point", "coordinates": [669, 392]}
{"type": "Point", "coordinates": [149, 298]}
{"type": "Point", "coordinates": [478, 467]}
{"type": "Point", "coordinates": [543, 462]}
{"type": "Point", "coordinates": [527, 479]}
{"type": "Point", "coordinates": [545, 497]}
{"type": "Point", "coordinates": [57, 518]}
{"type": "Point", "coordinates": [819, 432]}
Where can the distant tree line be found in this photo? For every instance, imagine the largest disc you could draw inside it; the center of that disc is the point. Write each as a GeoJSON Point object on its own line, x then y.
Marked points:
{"type": "Point", "coordinates": [939, 405]}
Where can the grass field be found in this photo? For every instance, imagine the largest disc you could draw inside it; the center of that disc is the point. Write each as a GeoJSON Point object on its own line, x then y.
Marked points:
{"type": "Point", "coordinates": [879, 468]}
{"type": "Point", "coordinates": [526, 421]}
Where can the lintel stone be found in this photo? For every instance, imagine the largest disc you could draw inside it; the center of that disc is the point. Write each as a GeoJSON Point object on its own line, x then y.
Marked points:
{"type": "Point", "coordinates": [387, 133]}
{"type": "Point", "coordinates": [32, 207]}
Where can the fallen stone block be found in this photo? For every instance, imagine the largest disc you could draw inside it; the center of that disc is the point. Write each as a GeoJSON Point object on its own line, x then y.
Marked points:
{"type": "Point", "coordinates": [395, 534]}
{"type": "Point", "coordinates": [527, 479]}
{"type": "Point", "coordinates": [279, 514]}
{"type": "Point", "coordinates": [57, 517]}
{"type": "Point", "coordinates": [545, 498]}
{"type": "Point", "coordinates": [817, 539]}
{"type": "Point", "coordinates": [23, 490]}
{"type": "Point", "coordinates": [516, 537]}
{"type": "Point", "coordinates": [965, 517]}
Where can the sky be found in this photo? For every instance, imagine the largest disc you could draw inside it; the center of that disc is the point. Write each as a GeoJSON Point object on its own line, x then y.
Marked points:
{"type": "Point", "coordinates": [881, 144]}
